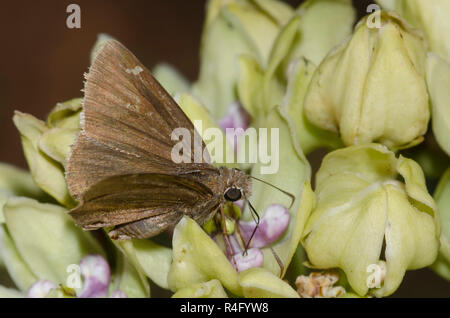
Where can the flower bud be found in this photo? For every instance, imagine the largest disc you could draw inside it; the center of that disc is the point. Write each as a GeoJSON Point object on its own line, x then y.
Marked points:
{"type": "Point", "coordinates": [366, 199]}
{"type": "Point", "coordinates": [372, 87]}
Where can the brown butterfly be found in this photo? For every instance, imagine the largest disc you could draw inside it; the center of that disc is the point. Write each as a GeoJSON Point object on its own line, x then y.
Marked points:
{"type": "Point", "coordinates": [120, 169]}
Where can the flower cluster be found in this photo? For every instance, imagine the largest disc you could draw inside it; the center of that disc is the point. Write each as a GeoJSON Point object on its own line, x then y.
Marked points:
{"type": "Point", "coordinates": [366, 94]}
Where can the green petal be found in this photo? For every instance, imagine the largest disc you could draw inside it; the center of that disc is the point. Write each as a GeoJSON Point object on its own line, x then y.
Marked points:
{"type": "Point", "coordinates": [210, 289]}
{"type": "Point", "coordinates": [415, 185]}
{"type": "Point", "coordinates": [387, 4]}
{"type": "Point", "coordinates": [324, 24]}
{"type": "Point", "coordinates": [310, 137]}
{"type": "Point", "coordinates": [442, 197]}
{"type": "Point", "coordinates": [438, 80]}
{"type": "Point", "coordinates": [18, 182]}
{"type": "Point", "coordinates": [57, 142]}
{"type": "Point", "coordinates": [198, 259]}
{"type": "Point", "coordinates": [150, 259]}
{"type": "Point", "coordinates": [258, 28]}
{"type": "Point", "coordinates": [293, 176]}
{"type": "Point", "coordinates": [277, 10]}
{"type": "Point", "coordinates": [47, 173]}
{"type": "Point", "coordinates": [10, 293]}
{"type": "Point", "coordinates": [66, 115]}
{"type": "Point", "coordinates": [274, 84]}
{"type": "Point", "coordinates": [171, 79]}
{"type": "Point", "coordinates": [46, 237]}
{"type": "Point", "coordinates": [200, 115]}
{"type": "Point", "coordinates": [18, 269]}
{"type": "Point", "coordinates": [127, 279]}
{"type": "Point", "coordinates": [222, 42]}
{"type": "Point", "coordinates": [249, 85]}
{"type": "Point", "coordinates": [411, 241]}
{"type": "Point", "coordinates": [260, 283]}
{"type": "Point", "coordinates": [232, 29]}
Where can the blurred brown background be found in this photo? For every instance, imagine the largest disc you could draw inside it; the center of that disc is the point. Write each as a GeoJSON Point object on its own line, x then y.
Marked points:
{"type": "Point", "coordinates": [42, 62]}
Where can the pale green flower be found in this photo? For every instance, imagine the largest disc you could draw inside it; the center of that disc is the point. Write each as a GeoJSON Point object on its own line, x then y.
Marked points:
{"type": "Point", "coordinates": [442, 197]}
{"type": "Point", "coordinates": [432, 17]}
{"type": "Point", "coordinates": [366, 199]}
{"type": "Point", "coordinates": [359, 90]}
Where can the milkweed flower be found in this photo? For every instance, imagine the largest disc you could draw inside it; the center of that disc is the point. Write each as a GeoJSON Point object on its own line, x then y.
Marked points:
{"type": "Point", "coordinates": [359, 89]}
{"type": "Point", "coordinates": [371, 207]}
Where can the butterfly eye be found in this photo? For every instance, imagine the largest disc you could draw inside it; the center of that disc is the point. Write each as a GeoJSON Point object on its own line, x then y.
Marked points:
{"type": "Point", "coordinates": [233, 194]}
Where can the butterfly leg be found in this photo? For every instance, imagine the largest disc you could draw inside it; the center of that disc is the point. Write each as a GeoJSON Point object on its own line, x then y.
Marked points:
{"type": "Point", "coordinates": [225, 236]}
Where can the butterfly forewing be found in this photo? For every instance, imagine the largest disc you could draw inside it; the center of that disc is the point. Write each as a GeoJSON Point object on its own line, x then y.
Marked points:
{"type": "Point", "coordinates": [126, 114]}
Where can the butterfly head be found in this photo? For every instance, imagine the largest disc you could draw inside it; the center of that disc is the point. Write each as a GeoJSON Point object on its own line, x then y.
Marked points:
{"type": "Point", "coordinates": [237, 184]}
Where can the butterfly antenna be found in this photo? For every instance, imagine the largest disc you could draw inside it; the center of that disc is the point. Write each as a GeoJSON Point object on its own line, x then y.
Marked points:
{"type": "Point", "coordinates": [225, 237]}
{"type": "Point", "coordinates": [281, 190]}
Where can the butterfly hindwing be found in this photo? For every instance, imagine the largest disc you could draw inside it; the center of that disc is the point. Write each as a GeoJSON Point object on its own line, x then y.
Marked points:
{"type": "Point", "coordinates": [127, 198]}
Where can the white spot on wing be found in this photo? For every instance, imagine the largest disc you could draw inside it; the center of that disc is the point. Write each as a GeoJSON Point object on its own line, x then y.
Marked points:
{"type": "Point", "coordinates": [134, 71]}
